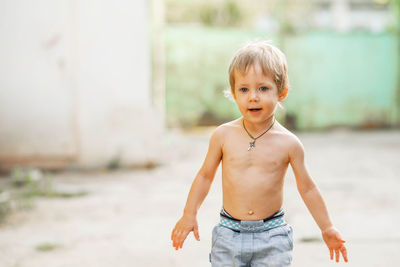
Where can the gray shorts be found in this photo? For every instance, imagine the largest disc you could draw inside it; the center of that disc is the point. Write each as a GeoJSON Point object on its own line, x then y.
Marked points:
{"type": "Point", "coordinates": [252, 245]}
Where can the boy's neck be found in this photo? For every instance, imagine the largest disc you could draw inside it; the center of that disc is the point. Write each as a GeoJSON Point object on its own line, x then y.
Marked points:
{"type": "Point", "coordinates": [258, 128]}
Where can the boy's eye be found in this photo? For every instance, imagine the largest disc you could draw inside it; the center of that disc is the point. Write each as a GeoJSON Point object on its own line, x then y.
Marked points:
{"type": "Point", "coordinates": [244, 89]}
{"type": "Point", "coordinates": [263, 88]}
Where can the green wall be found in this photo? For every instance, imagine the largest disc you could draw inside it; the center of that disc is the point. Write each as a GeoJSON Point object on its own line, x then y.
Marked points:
{"type": "Point", "coordinates": [335, 79]}
{"type": "Point", "coordinates": [342, 79]}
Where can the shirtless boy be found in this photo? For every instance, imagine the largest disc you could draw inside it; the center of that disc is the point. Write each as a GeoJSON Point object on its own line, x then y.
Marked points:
{"type": "Point", "coordinates": [255, 151]}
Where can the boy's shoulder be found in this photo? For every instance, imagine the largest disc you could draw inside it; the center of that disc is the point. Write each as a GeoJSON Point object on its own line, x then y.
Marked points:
{"type": "Point", "coordinates": [228, 127]}
{"type": "Point", "coordinates": [287, 135]}
{"type": "Point", "coordinates": [232, 124]}
{"type": "Point", "coordinates": [285, 132]}
{"type": "Point", "coordinates": [220, 133]}
{"type": "Point", "coordinates": [293, 143]}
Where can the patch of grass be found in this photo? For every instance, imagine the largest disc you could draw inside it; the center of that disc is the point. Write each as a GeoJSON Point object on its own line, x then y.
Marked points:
{"type": "Point", "coordinates": [53, 194]}
{"type": "Point", "coordinates": [311, 239]}
{"type": "Point", "coordinates": [28, 183]}
{"type": "Point", "coordinates": [64, 194]}
{"type": "Point", "coordinates": [4, 204]}
{"type": "Point", "coordinates": [31, 183]}
{"type": "Point", "coordinates": [47, 246]}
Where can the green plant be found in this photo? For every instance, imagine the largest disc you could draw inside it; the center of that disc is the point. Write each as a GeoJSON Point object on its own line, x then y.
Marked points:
{"type": "Point", "coordinates": [233, 15]}
{"type": "Point", "coordinates": [208, 14]}
{"type": "Point", "coordinates": [47, 246]}
{"type": "Point", "coordinates": [4, 204]}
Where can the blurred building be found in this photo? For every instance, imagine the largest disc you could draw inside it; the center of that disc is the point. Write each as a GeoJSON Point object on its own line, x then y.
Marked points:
{"type": "Point", "coordinates": [76, 84]}
{"type": "Point", "coordinates": [352, 15]}
{"type": "Point", "coordinates": [343, 58]}
{"type": "Point", "coordinates": [338, 15]}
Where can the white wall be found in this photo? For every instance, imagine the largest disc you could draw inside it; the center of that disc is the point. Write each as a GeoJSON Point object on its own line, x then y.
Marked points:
{"type": "Point", "coordinates": [75, 83]}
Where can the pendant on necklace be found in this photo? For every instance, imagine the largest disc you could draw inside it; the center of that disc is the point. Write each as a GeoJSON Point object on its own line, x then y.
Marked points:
{"type": "Point", "coordinates": [251, 145]}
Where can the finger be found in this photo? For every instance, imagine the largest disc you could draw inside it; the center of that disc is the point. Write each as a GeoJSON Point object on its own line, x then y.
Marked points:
{"type": "Point", "coordinates": [344, 253]}
{"type": "Point", "coordinates": [331, 253]}
{"type": "Point", "coordinates": [180, 245]}
{"type": "Point", "coordinates": [172, 234]}
{"type": "Point", "coordinates": [176, 239]}
{"type": "Point", "coordinates": [196, 233]}
{"type": "Point", "coordinates": [182, 238]}
{"type": "Point", "coordinates": [175, 233]}
{"type": "Point", "coordinates": [174, 243]}
{"type": "Point", "coordinates": [337, 254]}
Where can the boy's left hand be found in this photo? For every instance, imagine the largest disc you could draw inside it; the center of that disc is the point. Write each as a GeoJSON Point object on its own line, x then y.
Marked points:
{"type": "Point", "coordinates": [334, 242]}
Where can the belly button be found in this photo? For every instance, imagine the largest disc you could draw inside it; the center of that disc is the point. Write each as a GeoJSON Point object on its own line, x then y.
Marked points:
{"type": "Point", "coordinates": [251, 212]}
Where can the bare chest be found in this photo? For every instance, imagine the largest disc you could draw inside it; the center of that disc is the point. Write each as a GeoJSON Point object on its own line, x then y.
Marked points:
{"type": "Point", "coordinates": [267, 154]}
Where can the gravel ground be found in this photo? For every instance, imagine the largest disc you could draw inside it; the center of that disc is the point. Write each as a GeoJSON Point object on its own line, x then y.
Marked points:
{"type": "Point", "coordinates": [127, 216]}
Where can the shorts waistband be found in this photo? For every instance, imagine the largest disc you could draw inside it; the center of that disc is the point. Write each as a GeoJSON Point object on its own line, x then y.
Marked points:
{"type": "Point", "coordinates": [273, 221]}
{"type": "Point", "coordinates": [279, 213]}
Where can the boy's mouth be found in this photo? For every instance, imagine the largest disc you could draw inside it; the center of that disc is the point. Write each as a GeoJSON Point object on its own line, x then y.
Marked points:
{"type": "Point", "coordinates": [255, 111]}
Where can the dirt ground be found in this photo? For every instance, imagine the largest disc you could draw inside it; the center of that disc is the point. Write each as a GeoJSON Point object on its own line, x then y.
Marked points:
{"type": "Point", "coordinates": [127, 217]}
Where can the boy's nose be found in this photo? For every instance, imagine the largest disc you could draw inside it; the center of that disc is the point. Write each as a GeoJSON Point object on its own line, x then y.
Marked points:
{"type": "Point", "coordinates": [253, 96]}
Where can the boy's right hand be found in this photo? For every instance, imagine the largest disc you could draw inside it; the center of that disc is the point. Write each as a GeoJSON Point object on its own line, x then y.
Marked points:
{"type": "Point", "coordinates": [183, 227]}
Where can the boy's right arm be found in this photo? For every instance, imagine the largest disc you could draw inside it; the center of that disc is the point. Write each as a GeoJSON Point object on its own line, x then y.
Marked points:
{"type": "Point", "coordinates": [198, 191]}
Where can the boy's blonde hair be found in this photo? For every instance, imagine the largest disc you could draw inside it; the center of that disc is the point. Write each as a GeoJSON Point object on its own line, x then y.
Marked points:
{"type": "Point", "coordinates": [271, 59]}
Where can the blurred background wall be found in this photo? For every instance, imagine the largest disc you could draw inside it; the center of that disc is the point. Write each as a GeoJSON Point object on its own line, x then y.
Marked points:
{"type": "Point", "coordinates": [76, 84]}
{"type": "Point", "coordinates": [90, 84]}
{"type": "Point", "coordinates": [343, 59]}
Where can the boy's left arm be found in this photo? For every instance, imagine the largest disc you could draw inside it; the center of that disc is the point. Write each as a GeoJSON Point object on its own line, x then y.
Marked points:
{"type": "Point", "coordinates": [311, 196]}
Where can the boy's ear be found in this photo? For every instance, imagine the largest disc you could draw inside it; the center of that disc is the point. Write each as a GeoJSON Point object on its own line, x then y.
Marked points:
{"type": "Point", "coordinates": [283, 94]}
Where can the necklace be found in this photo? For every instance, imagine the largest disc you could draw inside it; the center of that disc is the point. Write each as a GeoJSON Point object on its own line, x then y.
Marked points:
{"type": "Point", "coordinates": [253, 143]}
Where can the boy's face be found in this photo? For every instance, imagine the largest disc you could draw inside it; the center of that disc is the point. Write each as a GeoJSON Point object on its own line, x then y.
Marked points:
{"type": "Point", "coordinates": [256, 94]}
